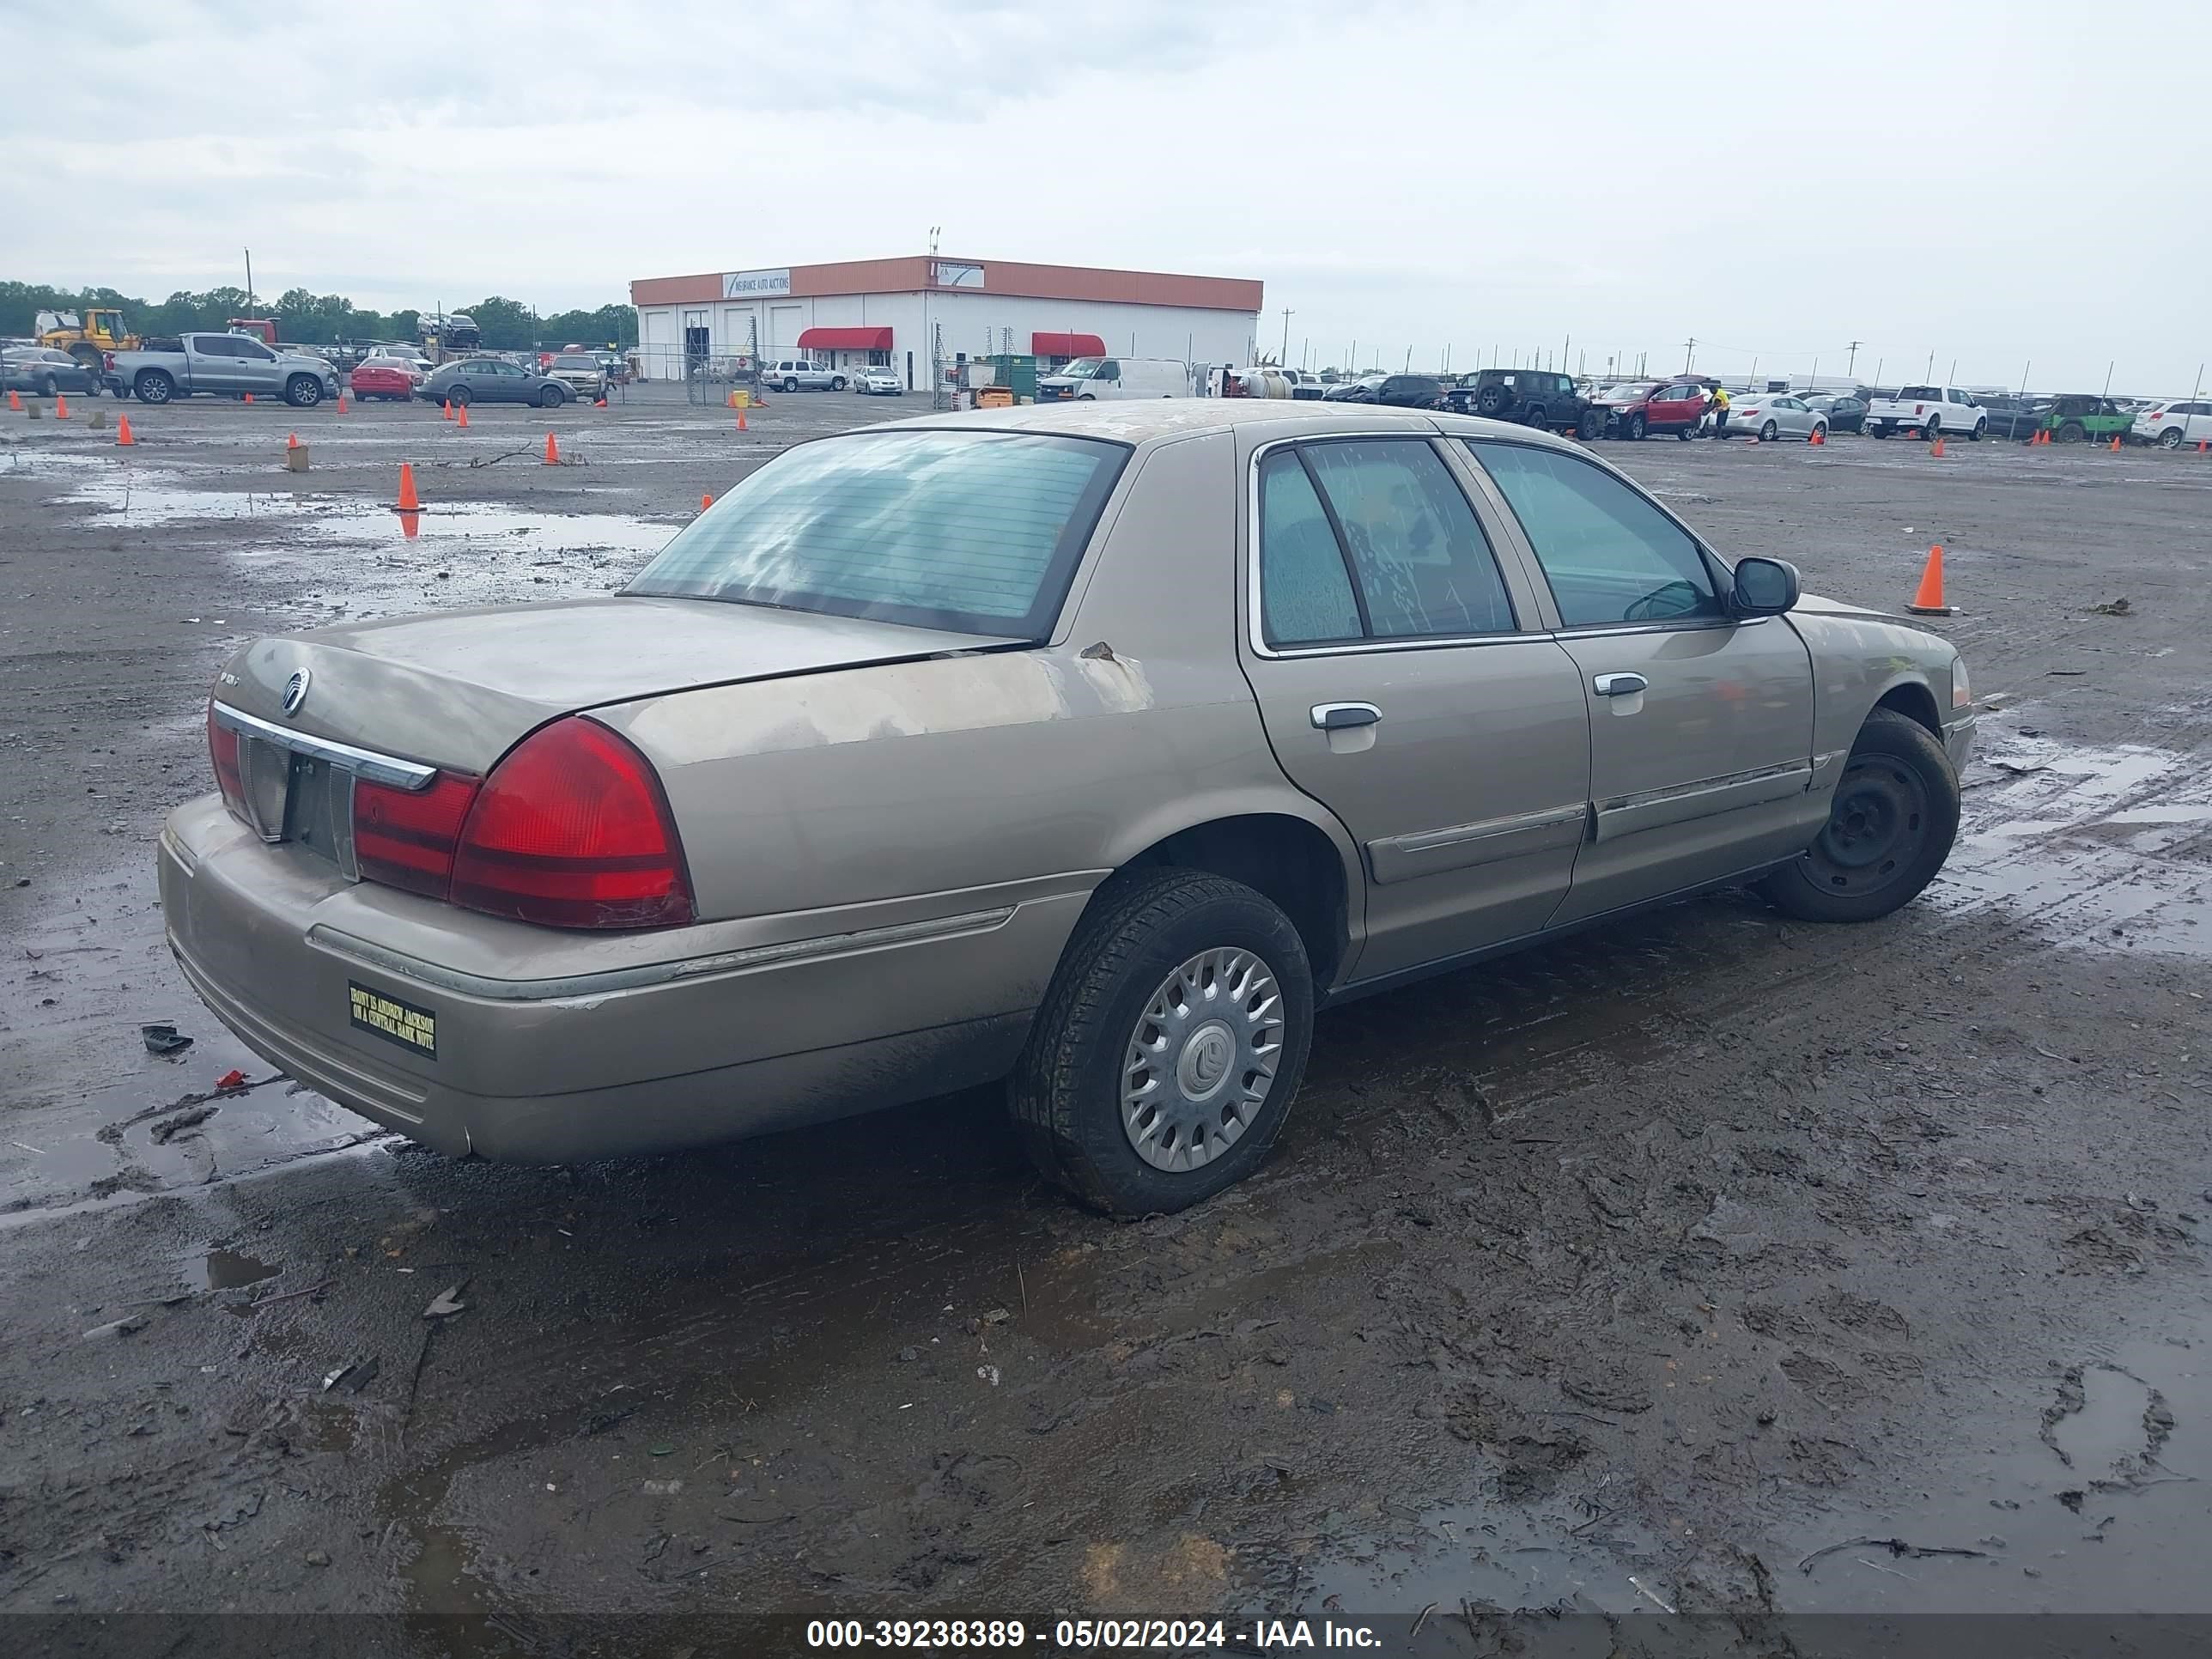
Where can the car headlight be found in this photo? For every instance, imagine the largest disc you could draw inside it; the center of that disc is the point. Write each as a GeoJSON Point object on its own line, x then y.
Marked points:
{"type": "Point", "coordinates": [1962, 691]}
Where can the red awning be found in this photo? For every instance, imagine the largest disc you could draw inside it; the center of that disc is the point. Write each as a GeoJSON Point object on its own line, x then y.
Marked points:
{"type": "Point", "coordinates": [1066, 345]}
{"type": "Point", "coordinates": [844, 339]}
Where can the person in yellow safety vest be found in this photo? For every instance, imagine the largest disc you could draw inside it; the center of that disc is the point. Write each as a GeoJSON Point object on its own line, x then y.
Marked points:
{"type": "Point", "coordinates": [1720, 410]}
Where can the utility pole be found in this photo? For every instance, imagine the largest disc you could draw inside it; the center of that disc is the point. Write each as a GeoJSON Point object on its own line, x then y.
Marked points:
{"type": "Point", "coordinates": [1283, 360]}
{"type": "Point", "coordinates": [1689, 353]}
{"type": "Point", "coordinates": [249, 281]}
{"type": "Point", "coordinates": [1931, 374]}
{"type": "Point", "coordinates": [2024, 368]}
{"type": "Point", "coordinates": [1853, 359]}
{"type": "Point", "coordinates": [2107, 392]}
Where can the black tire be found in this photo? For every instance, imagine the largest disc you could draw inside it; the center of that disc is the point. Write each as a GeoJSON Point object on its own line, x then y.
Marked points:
{"type": "Point", "coordinates": [154, 386]}
{"type": "Point", "coordinates": [458, 396]}
{"type": "Point", "coordinates": [50, 387]}
{"type": "Point", "coordinates": [1591, 426]}
{"type": "Point", "coordinates": [1534, 415]}
{"type": "Point", "coordinates": [1819, 432]}
{"type": "Point", "coordinates": [1933, 430]}
{"type": "Point", "coordinates": [2072, 432]}
{"type": "Point", "coordinates": [1685, 433]}
{"type": "Point", "coordinates": [2171, 438]}
{"type": "Point", "coordinates": [1769, 433]}
{"type": "Point", "coordinates": [790, 383]}
{"type": "Point", "coordinates": [1635, 428]}
{"type": "Point", "coordinates": [1065, 1093]}
{"type": "Point", "coordinates": [836, 383]}
{"type": "Point", "coordinates": [1975, 437]}
{"type": "Point", "coordinates": [1883, 431]}
{"type": "Point", "coordinates": [1891, 824]}
{"type": "Point", "coordinates": [550, 396]}
{"type": "Point", "coordinates": [303, 392]}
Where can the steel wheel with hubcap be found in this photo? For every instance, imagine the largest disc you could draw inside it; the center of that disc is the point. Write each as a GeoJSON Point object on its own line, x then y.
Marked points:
{"type": "Point", "coordinates": [1164, 1057]}
{"type": "Point", "coordinates": [1891, 824]}
{"type": "Point", "coordinates": [1202, 1060]}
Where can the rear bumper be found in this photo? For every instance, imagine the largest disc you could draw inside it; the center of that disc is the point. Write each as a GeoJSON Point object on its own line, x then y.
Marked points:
{"type": "Point", "coordinates": [632, 1043]}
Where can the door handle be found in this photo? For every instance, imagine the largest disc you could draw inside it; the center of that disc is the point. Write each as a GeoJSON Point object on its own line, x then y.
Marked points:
{"type": "Point", "coordinates": [1620, 686]}
{"type": "Point", "coordinates": [1342, 716]}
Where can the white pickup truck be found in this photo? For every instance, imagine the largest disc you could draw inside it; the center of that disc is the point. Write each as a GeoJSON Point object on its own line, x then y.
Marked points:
{"type": "Point", "coordinates": [1928, 411]}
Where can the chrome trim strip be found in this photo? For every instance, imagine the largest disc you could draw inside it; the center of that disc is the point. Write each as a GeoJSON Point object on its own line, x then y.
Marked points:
{"type": "Point", "coordinates": [406, 775]}
{"type": "Point", "coordinates": [1725, 780]}
{"type": "Point", "coordinates": [1542, 819]}
{"type": "Point", "coordinates": [653, 973]}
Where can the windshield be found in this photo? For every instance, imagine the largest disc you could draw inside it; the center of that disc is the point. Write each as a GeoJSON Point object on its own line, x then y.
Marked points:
{"type": "Point", "coordinates": [975, 534]}
{"type": "Point", "coordinates": [1082, 368]}
{"type": "Point", "coordinates": [591, 363]}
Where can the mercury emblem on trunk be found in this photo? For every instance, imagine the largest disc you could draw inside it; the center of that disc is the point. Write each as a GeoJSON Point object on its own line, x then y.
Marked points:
{"type": "Point", "coordinates": [296, 691]}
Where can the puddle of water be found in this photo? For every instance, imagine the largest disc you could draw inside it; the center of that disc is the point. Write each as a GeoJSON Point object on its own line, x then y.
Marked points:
{"type": "Point", "coordinates": [231, 1270]}
{"type": "Point", "coordinates": [2117, 1531]}
{"type": "Point", "coordinates": [2095, 845]}
{"type": "Point", "coordinates": [464, 527]}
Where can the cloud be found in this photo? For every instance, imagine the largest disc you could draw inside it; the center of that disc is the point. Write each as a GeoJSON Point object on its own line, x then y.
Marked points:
{"type": "Point", "coordinates": [1422, 175]}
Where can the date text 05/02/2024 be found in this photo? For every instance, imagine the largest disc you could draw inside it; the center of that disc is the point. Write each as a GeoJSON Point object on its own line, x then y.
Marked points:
{"type": "Point", "coordinates": [1090, 1635]}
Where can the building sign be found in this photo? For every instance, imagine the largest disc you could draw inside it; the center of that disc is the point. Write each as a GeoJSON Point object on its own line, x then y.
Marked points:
{"type": "Point", "coordinates": [945, 274]}
{"type": "Point", "coordinates": [746, 284]}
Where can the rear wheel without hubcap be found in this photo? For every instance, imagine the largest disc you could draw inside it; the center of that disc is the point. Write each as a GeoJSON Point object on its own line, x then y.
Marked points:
{"type": "Point", "coordinates": [1167, 1051]}
{"type": "Point", "coordinates": [1890, 827]}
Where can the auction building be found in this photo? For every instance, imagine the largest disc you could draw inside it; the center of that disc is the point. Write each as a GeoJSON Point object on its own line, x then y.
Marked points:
{"type": "Point", "coordinates": [902, 312]}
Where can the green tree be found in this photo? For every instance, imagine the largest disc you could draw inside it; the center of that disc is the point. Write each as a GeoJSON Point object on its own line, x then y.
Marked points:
{"type": "Point", "coordinates": [404, 325]}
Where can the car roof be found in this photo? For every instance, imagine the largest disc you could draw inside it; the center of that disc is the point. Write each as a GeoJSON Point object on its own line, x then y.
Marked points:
{"type": "Point", "coordinates": [1137, 421]}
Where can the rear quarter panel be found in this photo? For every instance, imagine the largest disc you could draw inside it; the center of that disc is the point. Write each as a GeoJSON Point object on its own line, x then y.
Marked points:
{"type": "Point", "coordinates": [946, 775]}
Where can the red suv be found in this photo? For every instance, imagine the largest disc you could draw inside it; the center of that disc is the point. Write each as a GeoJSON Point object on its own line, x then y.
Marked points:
{"type": "Point", "coordinates": [1642, 406]}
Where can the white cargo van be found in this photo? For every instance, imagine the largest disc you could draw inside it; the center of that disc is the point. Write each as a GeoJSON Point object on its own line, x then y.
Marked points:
{"type": "Point", "coordinates": [1116, 377]}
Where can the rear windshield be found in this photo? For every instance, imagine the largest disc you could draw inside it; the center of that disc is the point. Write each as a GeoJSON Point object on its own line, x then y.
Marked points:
{"type": "Point", "coordinates": [1922, 393]}
{"type": "Point", "coordinates": [575, 362]}
{"type": "Point", "coordinates": [973, 532]}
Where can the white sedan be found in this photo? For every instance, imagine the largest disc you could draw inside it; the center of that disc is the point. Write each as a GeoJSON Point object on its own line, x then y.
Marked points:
{"type": "Point", "coordinates": [1773, 415]}
{"type": "Point", "coordinates": [878, 381]}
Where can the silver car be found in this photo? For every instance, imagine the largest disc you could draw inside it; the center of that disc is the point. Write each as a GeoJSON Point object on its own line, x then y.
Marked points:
{"type": "Point", "coordinates": [586, 379]}
{"type": "Point", "coordinates": [894, 774]}
{"type": "Point", "coordinates": [1773, 416]}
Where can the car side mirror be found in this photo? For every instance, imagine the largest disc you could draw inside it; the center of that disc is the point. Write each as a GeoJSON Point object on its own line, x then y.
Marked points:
{"type": "Point", "coordinates": [1765, 588]}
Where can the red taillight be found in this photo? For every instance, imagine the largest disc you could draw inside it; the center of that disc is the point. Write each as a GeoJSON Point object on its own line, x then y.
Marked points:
{"type": "Point", "coordinates": [222, 749]}
{"type": "Point", "coordinates": [572, 830]}
{"type": "Point", "coordinates": [408, 839]}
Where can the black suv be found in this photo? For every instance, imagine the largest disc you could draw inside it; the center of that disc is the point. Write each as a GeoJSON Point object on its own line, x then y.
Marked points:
{"type": "Point", "coordinates": [1411, 392]}
{"type": "Point", "coordinates": [1532, 397]}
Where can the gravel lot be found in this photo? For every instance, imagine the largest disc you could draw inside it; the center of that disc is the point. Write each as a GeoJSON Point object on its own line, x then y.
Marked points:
{"type": "Point", "coordinates": [1681, 1250]}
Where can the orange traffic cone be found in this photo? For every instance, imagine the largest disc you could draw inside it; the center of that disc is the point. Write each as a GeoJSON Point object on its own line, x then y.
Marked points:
{"type": "Point", "coordinates": [741, 420]}
{"type": "Point", "coordinates": [291, 441]}
{"type": "Point", "coordinates": [461, 417]}
{"type": "Point", "coordinates": [552, 451]}
{"type": "Point", "coordinates": [60, 407]}
{"type": "Point", "coordinates": [410, 525]}
{"type": "Point", "coordinates": [14, 402]}
{"type": "Point", "coordinates": [342, 402]}
{"type": "Point", "coordinates": [249, 397]}
{"type": "Point", "coordinates": [1929, 601]}
{"type": "Point", "coordinates": [122, 437]}
{"type": "Point", "coordinates": [2203, 446]}
{"type": "Point", "coordinates": [1937, 450]}
{"type": "Point", "coordinates": [2116, 443]}
{"type": "Point", "coordinates": [601, 402]}
{"type": "Point", "coordinates": [706, 501]}
{"type": "Point", "coordinates": [408, 501]}
{"type": "Point", "coordinates": [1819, 434]}
{"type": "Point", "coordinates": [448, 414]}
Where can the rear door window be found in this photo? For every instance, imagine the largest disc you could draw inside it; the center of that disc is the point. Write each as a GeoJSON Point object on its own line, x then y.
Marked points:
{"type": "Point", "coordinates": [1609, 555]}
{"type": "Point", "coordinates": [1305, 586]}
{"type": "Point", "coordinates": [1421, 565]}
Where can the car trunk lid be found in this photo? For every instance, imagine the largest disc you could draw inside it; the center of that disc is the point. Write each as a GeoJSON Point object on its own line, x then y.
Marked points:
{"type": "Point", "coordinates": [458, 688]}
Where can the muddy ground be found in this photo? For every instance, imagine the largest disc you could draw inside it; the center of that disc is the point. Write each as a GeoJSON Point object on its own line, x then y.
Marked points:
{"type": "Point", "coordinates": [1632, 1272]}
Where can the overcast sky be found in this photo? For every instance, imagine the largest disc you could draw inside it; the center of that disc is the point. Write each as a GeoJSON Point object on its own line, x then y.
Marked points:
{"type": "Point", "coordinates": [1984, 182]}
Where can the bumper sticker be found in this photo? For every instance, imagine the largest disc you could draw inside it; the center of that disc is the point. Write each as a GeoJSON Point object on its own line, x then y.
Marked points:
{"type": "Point", "coordinates": [412, 1028]}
